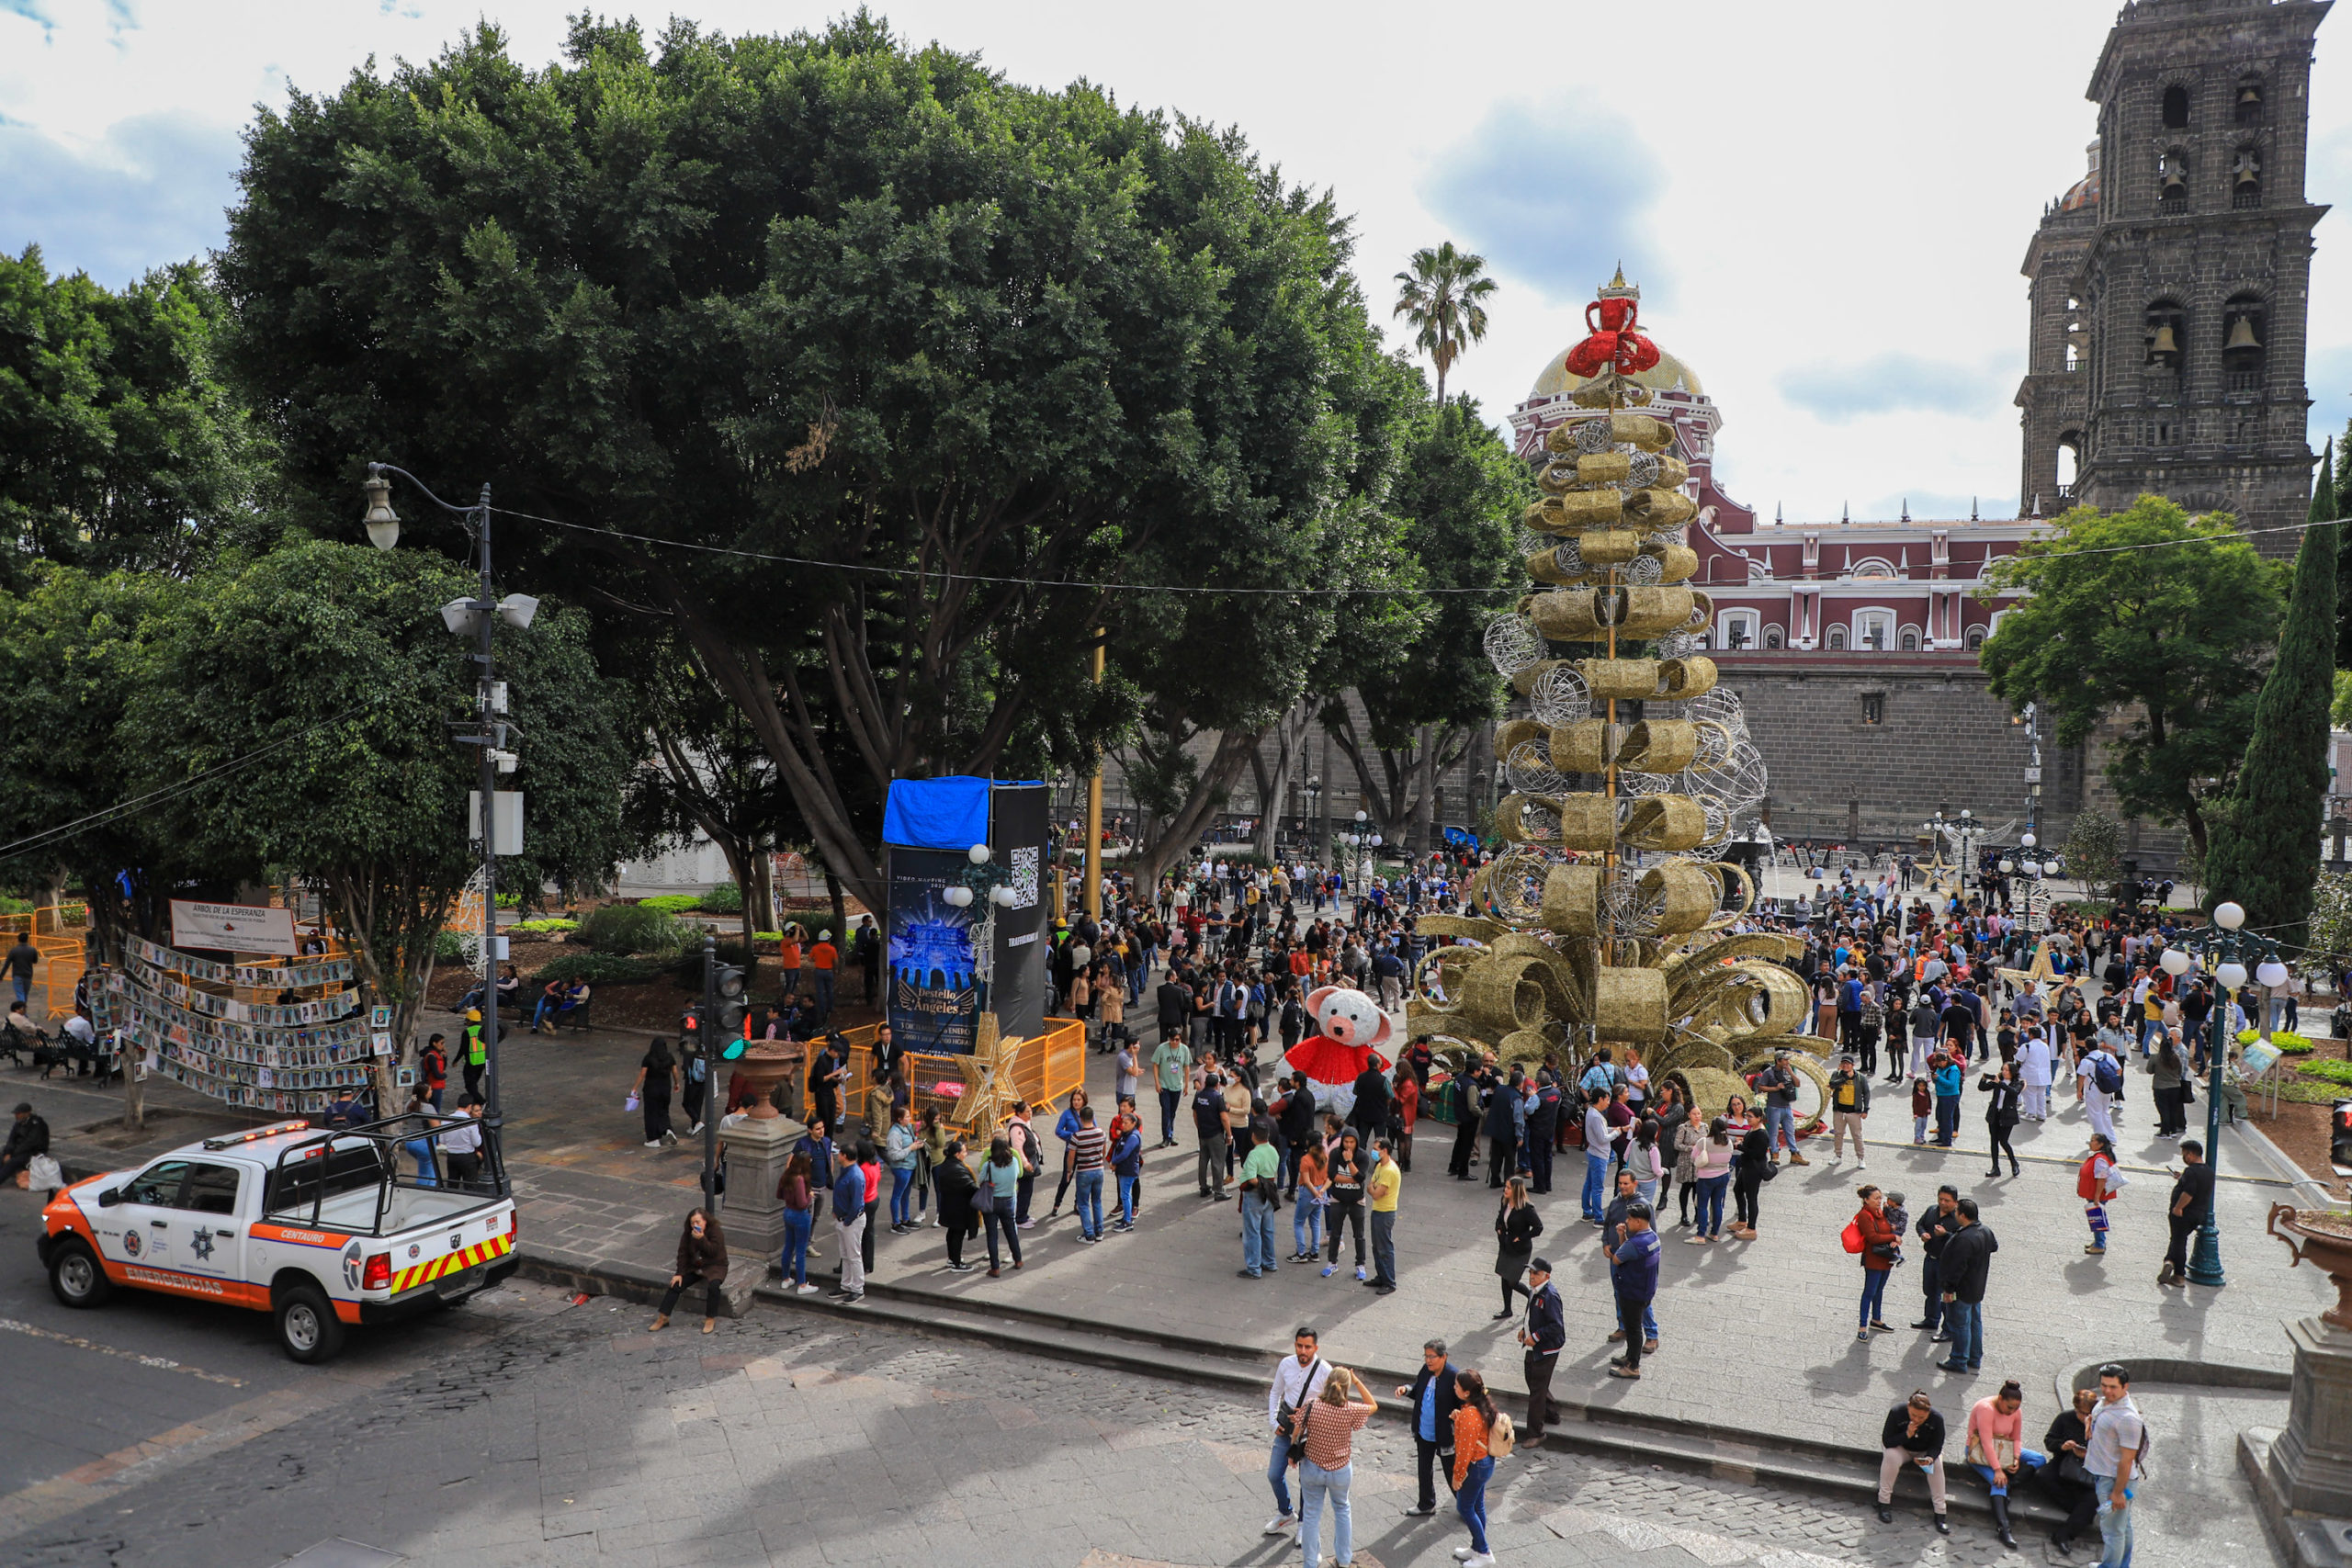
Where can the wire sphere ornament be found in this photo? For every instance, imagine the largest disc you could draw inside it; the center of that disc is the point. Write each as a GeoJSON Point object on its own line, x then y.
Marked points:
{"type": "Point", "coordinates": [1514, 881]}
{"type": "Point", "coordinates": [1513, 643]}
{"type": "Point", "coordinates": [1646, 571]}
{"type": "Point", "coordinates": [1538, 823]}
{"type": "Point", "coordinates": [1526, 541]}
{"type": "Point", "coordinates": [1556, 478]}
{"type": "Point", "coordinates": [1528, 769]}
{"type": "Point", "coordinates": [1593, 435]}
{"type": "Point", "coordinates": [1643, 474]}
{"type": "Point", "coordinates": [1626, 910]}
{"type": "Point", "coordinates": [1568, 556]}
{"type": "Point", "coordinates": [1561, 696]}
{"type": "Point", "coordinates": [1738, 782]}
{"type": "Point", "coordinates": [1716, 744]}
{"type": "Point", "coordinates": [1681, 645]}
{"type": "Point", "coordinates": [1637, 786]}
{"type": "Point", "coordinates": [1720, 706]}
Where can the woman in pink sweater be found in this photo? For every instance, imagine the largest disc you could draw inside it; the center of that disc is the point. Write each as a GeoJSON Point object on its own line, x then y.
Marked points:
{"type": "Point", "coordinates": [1996, 1448]}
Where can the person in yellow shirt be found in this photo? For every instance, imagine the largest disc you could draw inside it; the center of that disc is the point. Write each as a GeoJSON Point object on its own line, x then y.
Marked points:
{"type": "Point", "coordinates": [1386, 1181]}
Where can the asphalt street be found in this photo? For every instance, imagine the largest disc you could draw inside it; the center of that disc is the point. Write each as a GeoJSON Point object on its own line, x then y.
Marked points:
{"type": "Point", "coordinates": [525, 1430]}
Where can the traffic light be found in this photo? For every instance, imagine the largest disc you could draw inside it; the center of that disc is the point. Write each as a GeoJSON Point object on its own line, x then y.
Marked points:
{"type": "Point", "coordinates": [728, 984]}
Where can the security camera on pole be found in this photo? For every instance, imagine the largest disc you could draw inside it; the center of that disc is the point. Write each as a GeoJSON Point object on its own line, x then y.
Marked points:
{"type": "Point", "coordinates": [497, 815]}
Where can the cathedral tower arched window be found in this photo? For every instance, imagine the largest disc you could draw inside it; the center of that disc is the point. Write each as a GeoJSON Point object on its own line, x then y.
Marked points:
{"type": "Point", "coordinates": [2172, 180]}
{"type": "Point", "coordinates": [2175, 107]}
{"type": "Point", "coordinates": [2166, 338]}
{"type": "Point", "coordinates": [2244, 330]}
{"type": "Point", "coordinates": [2247, 108]}
{"type": "Point", "coordinates": [2246, 177]}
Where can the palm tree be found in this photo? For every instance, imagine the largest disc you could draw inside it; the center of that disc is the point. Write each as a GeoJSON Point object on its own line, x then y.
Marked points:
{"type": "Point", "coordinates": [1442, 297]}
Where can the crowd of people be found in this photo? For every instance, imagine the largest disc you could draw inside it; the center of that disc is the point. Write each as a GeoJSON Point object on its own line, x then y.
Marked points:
{"type": "Point", "coordinates": [1223, 960]}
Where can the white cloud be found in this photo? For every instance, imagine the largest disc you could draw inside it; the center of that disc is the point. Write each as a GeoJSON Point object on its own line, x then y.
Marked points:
{"type": "Point", "coordinates": [1837, 193]}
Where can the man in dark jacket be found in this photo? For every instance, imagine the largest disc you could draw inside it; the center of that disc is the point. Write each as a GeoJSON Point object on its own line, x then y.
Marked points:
{"type": "Point", "coordinates": [1175, 1008]}
{"type": "Point", "coordinates": [1297, 1128]}
{"type": "Point", "coordinates": [1542, 1129]}
{"type": "Point", "coordinates": [1633, 1276]}
{"type": "Point", "coordinates": [1966, 1266]}
{"type": "Point", "coordinates": [1936, 1228]}
{"type": "Point", "coordinates": [1501, 1130]}
{"type": "Point", "coordinates": [1369, 1115]}
{"type": "Point", "coordinates": [27, 1140]}
{"type": "Point", "coordinates": [1434, 1400]}
{"type": "Point", "coordinates": [1545, 1333]}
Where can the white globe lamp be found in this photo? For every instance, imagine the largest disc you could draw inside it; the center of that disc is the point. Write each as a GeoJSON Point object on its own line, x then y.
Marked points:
{"type": "Point", "coordinates": [2232, 975]}
{"type": "Point", "coordinates": [958, 897]}
{"type": "Point", "coordinates": [2228, 916]}
{"type": "Point", "coordinates": [2175, 961]}
{"type": "Point", "coordinates": [2271, 972]}
{"type": "Point", "coordinates": [977, 854]}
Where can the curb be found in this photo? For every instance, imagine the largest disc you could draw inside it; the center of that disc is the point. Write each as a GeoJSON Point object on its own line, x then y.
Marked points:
{"type": "Point", "coordinates": [1848, 1474]}
{"type": "Point", "coordinates": [2308, 1189]}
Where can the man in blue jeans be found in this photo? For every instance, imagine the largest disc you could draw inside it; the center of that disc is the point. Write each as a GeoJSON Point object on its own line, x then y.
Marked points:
{"type": "Point", "coordinates": [1778, 1083]}
{"type": "Point", "coordinates": [1172, 1064]}
{"type": "Point", "coordinates": [1965, 1266]}
{"type": "Point", "coordinates": [2111, 1455]}
{"type": "Point", "coordinates": [1596, 1156]}
{"type": "Point", "coordinates": [1297, 1378]}
{"type": "Point", "coordinates": [21, 959]}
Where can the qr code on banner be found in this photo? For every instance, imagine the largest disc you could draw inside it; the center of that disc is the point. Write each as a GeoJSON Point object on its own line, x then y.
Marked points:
{"type": "Point", "coordinates": [1024, 877]}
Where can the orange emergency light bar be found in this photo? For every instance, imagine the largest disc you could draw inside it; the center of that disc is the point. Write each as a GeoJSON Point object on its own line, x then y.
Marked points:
{"type": "Point", "coordinates": [279, 1130]}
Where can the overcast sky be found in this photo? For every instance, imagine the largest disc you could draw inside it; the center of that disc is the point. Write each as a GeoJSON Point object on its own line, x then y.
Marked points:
{"type": "Point", "coordinates": [1826, 204]}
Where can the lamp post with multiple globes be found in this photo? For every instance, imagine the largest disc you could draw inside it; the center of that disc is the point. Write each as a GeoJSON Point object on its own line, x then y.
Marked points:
{"type": "Point", "coordinates": [2220, 950]}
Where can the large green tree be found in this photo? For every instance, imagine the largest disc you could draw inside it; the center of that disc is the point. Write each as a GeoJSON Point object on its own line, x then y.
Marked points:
{"type": "Point", "coordinates": [120, 447]}
{"type": "Point", "coordinates": [2154, 618]}
{"type": "Point", "coordinates": [334, 659]}
{"type": "Point", "coordinates": [951, 347]}
{"type": "Point", "coordinates": [2266, 853]}
{"type": "Point", "coordinates": [1461, 492]}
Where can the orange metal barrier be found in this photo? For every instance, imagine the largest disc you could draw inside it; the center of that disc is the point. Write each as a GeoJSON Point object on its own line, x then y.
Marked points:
{"type": "Point", "coordinates": [58, 930]}
{"type": "Point", "coordinates": [1046, 1069]}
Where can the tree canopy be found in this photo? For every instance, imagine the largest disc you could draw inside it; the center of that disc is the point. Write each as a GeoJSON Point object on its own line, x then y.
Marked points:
{"type": "Point", "coordinates": [334, 659]}
{"type": "Point", "coordinates": [936, 348]}
{"type": "Point", "coordinates": [2153, 617]}
{"type": "Point", "coordinates": [119, 445]}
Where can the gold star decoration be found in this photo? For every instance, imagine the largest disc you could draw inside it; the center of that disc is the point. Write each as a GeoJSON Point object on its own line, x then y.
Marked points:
{"type": "Point", "coordinates": [989, 1090]}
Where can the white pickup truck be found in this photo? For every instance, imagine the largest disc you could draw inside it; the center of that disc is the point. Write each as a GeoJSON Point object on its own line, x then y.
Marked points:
{"type": "Point", "coordinates": [319, 1229]}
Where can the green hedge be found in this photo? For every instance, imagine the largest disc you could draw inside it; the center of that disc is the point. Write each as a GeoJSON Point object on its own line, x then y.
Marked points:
{"type": "Point", "coordinates": [2332, 1071]}
{"type": "Point", "coordinates": [671, 903]}
{"type": "Point", "coordinates": [542, 928]}
{"type": "Point", "coordinates": [632, 928]}
{"type": "Point", "coordinates": [448, 947]}
{"type": "Point", "coordinates": [726, 899]}
{"type": "Point", "coordinates": [2289, 1043]}
{"type": "Point", "coordinates": [597, 969]}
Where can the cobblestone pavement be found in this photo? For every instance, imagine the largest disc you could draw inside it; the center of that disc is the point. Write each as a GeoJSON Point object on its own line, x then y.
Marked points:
{"type": "Point", "coordinates": [570, 1435]}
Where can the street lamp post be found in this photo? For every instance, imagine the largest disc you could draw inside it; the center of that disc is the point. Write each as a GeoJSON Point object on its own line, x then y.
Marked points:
{"type": "Point", "coordinates": [2226, 947]}
{"type": "Point", "coordinates": [476, 617]}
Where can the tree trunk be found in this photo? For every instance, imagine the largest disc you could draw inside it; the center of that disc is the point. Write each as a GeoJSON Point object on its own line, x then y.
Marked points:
{"type": "Point", "coordinates": [1289, 735]}
{"type": "Point", "coordinates": [1215, 781]}
{"type": "Point", "coordinates": [1427, 740]}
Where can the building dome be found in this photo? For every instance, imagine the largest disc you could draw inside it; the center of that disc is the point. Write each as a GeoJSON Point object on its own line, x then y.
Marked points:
{"type": "Point", "coordinates": [1669, 375]}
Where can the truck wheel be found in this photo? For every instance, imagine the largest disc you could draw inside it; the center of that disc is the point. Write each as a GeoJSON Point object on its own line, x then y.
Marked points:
{"type": "Point", "coordinates": [308, 1329]}
{"type": "Point", "coordinates": [75, 1277]}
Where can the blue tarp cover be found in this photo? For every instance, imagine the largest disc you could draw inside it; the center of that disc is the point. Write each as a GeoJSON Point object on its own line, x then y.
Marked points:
{"type": "Point", "coordinates": [936, 814]}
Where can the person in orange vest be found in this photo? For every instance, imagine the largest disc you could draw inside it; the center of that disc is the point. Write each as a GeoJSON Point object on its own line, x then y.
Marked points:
{"type": "Point", "coordinates": [823, 959]}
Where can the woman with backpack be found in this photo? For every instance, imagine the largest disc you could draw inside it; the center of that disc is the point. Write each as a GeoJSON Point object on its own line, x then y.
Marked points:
{"type": "Point", "coordinates": [1881, 1244]}
{"type": "Point", "coordinates": [1479, 1435]}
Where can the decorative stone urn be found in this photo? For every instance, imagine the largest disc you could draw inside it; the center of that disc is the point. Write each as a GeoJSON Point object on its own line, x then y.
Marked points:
{"type": "Point", "coordinates": [2309, 1467]}
{"type": "Point", "coordinates": [766, 1065]}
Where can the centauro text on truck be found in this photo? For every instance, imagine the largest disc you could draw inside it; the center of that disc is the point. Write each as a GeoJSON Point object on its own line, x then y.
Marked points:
{"type": "Point", "coordinates": [319, 1229]}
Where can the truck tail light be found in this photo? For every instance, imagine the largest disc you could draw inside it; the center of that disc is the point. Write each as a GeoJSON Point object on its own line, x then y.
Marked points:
{"type": "Point", "coordinates": [513, 1225]}
{"type": "Point", "coordinates": [379, 1275]}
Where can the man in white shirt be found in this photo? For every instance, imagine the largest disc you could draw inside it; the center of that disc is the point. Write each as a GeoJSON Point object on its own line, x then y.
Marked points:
{"type": "Point", "coordinates": [2034, 1064]}
{"type": "Point", "coordinates": [2111, 1454]}
{"type": "Point", "coordinates": [1297, 1378]}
